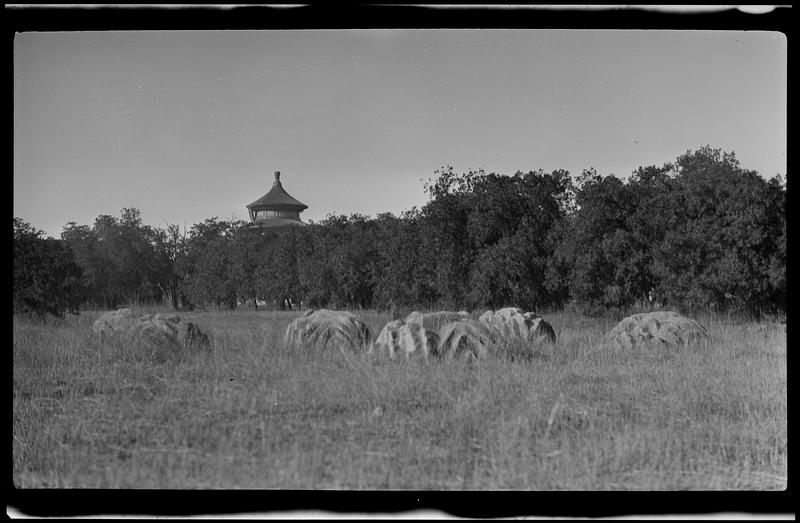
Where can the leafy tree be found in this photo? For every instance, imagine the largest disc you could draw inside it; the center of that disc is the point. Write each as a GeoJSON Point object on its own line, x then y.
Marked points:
{"type": "Point", "coordinates": [510, 224]}
{"type": "Point", "coordinates": [246, 257]}
{"type": "Point", "coordinates": [277, 268]}
{"type": "Point", "coordinates": [595, 246]}
{"type": "Point", "coordinates": [46, 278]}
{"type": "Point", "coordinates": [775, 294]}
{"type": "Point", "coordinates": [138, 260]}
{"type": "Point", "coordinates": [401, 278]}
{"type": "Point", "coordinates": [83, 243]}
{"type": "Point", "coordinates": [209, 282]}
{"type": "Point", "coordinates": [316, 277]}
{"type": "Point", "coordinates": [653, 215]}
{"type": "Point", "coordinates": [723, 242]}
{"type": "Point", "coordinates": [122, 259]}
{"type": "Point", "coordinates": [447, 248]}
{"type": "Point", "coordinates": [118, 278]}
{"type": "Point", "coordinates": [168, 249]}
{"type": "Point", "coordinates": [208, 278]}
{"type": "Point", "coordinates": [350, 253]}
{"type": "Point", "coordinates": [497, 275]}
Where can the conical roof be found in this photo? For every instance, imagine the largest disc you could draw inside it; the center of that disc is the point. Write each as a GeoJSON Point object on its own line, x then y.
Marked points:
{"type": "Point", "coordinates": [278, 198]}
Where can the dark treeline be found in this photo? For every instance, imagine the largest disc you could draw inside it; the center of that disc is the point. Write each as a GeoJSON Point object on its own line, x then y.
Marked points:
{"type": "Point", "coordinates": [699, 233]}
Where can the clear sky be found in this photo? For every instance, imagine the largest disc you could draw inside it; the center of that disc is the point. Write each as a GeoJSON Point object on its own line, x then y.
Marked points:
{"type": "Point", "coordinates": [187, 125]}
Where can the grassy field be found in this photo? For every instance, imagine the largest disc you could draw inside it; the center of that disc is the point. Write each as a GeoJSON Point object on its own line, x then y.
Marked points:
{"type": "Point", "coordinates": [253, 414]}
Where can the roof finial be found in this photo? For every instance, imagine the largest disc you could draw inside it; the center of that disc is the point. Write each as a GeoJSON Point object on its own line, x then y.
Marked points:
{"type": "Point", "coordinates": [277, 178]}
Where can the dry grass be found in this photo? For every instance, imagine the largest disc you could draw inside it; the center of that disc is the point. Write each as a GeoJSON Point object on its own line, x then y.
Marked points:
{"type": "Point", "coordinates": [253, 414]}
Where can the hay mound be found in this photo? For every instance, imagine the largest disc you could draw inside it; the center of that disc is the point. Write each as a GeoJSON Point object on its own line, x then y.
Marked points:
{"type": "Point", "coordinates": [507, 333]}
{"type": "Point", "coordinates": [115, 322]}
{"type": "Point", "coordinates": [323, 328]}
{"type": "Point", "coordinates": [466, 338]}
{"type": "Point", "coordinates": [666, 327]}
{"type": "Point", "coordinates": [157, 337]}
{"type": "Point", "coordinates": [409, 338]}
{"type": "Point", "coordinates": [434, 321]}
{"type": "Point", "coordinates": [510, 324]}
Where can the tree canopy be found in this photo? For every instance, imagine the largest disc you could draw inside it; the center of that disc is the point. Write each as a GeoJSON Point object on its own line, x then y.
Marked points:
{"type": "Point", "coordinates": [699, 232]}
{"type": "Point", "coordinates": [46, 278]}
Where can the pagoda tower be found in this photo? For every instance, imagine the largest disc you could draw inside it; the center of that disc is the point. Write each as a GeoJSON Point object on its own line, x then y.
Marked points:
{"type": "Point", "coordinates": [276, 208]}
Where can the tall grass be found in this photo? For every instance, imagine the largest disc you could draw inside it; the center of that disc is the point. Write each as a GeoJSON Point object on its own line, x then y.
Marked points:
{"type": "Point", "coordinates": [253, 414]}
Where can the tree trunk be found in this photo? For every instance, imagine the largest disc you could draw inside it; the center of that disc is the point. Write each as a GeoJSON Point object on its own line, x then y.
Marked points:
{"type": "Point", "coordinates": [173, 296]}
